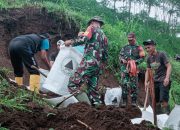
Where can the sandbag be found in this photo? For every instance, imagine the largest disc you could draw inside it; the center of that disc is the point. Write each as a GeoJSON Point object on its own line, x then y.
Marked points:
{"type": "Point", "coordinates": [64, 66]}
{"type": "Point", "coordinates": [173, 122]}
{"type": "Point", "coordinates": [42, 79]}
{"type": "Point", "coordinates": [113, 96]}
{"type": "Point", "coordinates": [55, 101]}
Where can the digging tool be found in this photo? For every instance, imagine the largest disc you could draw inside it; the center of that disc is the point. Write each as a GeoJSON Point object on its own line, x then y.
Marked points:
{"type": "Point", "coordinates": [146, 114]}
{"type": "Point", "coordinates": [65, 98]}
{"type": "Point", "coordinates": [146, 98]}
{"type": "Point", "coordinates": [152, 94]}
{"type": "Point", "coordinates": [34, 67]}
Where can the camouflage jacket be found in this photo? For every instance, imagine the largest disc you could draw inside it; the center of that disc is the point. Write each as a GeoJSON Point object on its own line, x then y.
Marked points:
{"type": "Point", "coordinates": [96, 46]}
{"type": "Point", "coordinates": [133, 52]}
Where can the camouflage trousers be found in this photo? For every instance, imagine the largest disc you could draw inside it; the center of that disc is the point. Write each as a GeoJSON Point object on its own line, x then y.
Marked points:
{"type": "Point", "coordinates": [90, 78]}
{"type": "Point", "coordinates": [129, 85]}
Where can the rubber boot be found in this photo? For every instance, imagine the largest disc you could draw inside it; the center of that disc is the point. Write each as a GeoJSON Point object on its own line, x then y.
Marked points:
{"type": "Point", "coordinates": [34, 83]}
{"type": "Point", "coordinates": [19, 80]}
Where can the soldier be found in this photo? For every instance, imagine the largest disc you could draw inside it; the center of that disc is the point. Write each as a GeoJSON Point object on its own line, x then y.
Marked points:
{"type": "Point", "coordinates": [130, 56]}
{"type": "Point", "coordinates": [22, 50]}
{"type": "Point", "coordinates": [94, 58]}
{"type": "Point", "coordinates": [159, 63]}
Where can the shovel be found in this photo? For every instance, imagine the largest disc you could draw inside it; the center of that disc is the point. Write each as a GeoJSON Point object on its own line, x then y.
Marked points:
{"type": "Point", "coordinates": [34, 67]}
{"type": "Point", "coordinates": [147, 115]}
{"type": "Point", "coordinates": [67, 99]}
{"type": "Point", "coordinates": [64, 98]}
{"type": "Point", "coordinates": [146, 98]}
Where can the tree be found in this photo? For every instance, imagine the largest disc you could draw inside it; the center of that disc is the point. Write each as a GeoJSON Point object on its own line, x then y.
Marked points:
{"type": "Point", "coordinates": [151, 3]}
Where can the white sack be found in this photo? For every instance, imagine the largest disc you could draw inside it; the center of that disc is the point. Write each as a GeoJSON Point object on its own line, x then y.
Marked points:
{"type": "Point", "coordinates": [173, 122]}
{"type": "Point", "coordinates": [113, 96]}
{"type": "Point", "coordinates": [64, 66]}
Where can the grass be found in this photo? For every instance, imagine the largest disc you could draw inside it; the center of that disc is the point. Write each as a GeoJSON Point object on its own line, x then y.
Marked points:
{"type": "Point", "coordinates": [15, 98]}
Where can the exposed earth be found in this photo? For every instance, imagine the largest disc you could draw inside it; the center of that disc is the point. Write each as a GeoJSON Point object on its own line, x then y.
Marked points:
{"type": "Point", "coordinates": [79, 116]}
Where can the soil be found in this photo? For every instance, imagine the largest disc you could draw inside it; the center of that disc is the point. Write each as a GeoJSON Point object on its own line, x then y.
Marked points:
{"type": "Point", "coordinates": [78, 116]}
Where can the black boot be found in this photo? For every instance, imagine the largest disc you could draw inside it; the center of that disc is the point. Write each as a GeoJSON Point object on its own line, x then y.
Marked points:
{"type": "Point", "coordinates": [134, 102]}
{"type": "Point", "coordinates": [124, 102]}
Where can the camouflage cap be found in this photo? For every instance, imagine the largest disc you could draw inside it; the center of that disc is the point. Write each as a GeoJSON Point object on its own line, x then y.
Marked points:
{"type": "Point", "coordinates": [96, 18]}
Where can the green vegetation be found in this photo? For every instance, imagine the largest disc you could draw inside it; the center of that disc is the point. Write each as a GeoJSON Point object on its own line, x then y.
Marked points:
{"type": "Point", "coordinates": [118, 24]}
{"type": "Point", "coordinates": [13, 98]}
{"type": "Point", "coordinates": [2, 128]}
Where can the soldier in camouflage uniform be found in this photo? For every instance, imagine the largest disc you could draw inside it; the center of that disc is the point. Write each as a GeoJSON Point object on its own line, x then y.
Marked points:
{"type": "Point", "coordinates": [129, 83]}
{"type": "Point", "coordinates": [94, 58]}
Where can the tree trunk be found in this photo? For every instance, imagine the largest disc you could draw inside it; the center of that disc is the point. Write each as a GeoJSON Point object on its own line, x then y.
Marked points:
{"type": "Point", "coordinates": [129, 9]}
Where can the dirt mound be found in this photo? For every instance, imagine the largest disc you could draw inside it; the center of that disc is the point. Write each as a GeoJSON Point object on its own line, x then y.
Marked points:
{"type": "Point", "coordinates": [18, 21]}
{"type": "Point", "coordinates": [79, 116]}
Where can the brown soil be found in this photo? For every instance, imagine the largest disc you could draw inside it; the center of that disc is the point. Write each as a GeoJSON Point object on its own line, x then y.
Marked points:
{"type": "Point", "coordinates": [14, 22]}
{"type": "Point", "coordinates": [78, 116]}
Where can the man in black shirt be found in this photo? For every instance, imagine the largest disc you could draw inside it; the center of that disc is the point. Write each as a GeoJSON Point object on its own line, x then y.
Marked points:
{"type": "Point", "coordinates": [22, 50]}
{"type": "Point", "coordinates": [158, 62]}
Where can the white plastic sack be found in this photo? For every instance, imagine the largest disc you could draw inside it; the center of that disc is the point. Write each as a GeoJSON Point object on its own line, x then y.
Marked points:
{"type": "Point", "coordinates": [55, 101]}
{"type": "Point", "coordinates": [64, 66]}
{"type": "Point", "coordinates": [148, 116]}
{"type": "Point", "coordinates": [42, 79]}
{"type": "Point", "coordinates": [173, 122]}
{"type": "Point", "coordinates": [161, 119]}
{"type": "Point", "coordinates": [113, 96]}
{"type": "Point", "coordinates": [137, 120]}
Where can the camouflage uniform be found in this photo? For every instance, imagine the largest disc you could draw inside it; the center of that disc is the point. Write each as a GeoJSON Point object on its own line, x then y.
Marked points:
{"type": "Point", "coordinates": [95, 55]}
{"type": "Point", "coordinates": [129, 83]}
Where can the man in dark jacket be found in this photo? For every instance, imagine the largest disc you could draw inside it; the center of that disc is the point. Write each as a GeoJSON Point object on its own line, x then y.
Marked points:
{"type": "Point", "coordinates": [22, 50]}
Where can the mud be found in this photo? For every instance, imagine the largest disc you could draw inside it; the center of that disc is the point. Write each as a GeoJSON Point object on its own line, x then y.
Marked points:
{"type": "Point", "coordinates": [79, 116]}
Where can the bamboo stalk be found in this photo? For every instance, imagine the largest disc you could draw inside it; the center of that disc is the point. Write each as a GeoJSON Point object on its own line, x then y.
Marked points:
{"type": "Point", "coordinates": [84, 124]}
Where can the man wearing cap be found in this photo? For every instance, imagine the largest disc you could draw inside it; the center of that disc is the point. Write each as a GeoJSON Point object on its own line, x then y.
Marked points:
{"type": "Point", "coordinates": [159, 63]}
{"type": "Point", "coordinates": [94, 58]}
{"type": "Point", "coordinates": [130, 56]}
{"type": "Point", "coordinates": [22, 50]}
